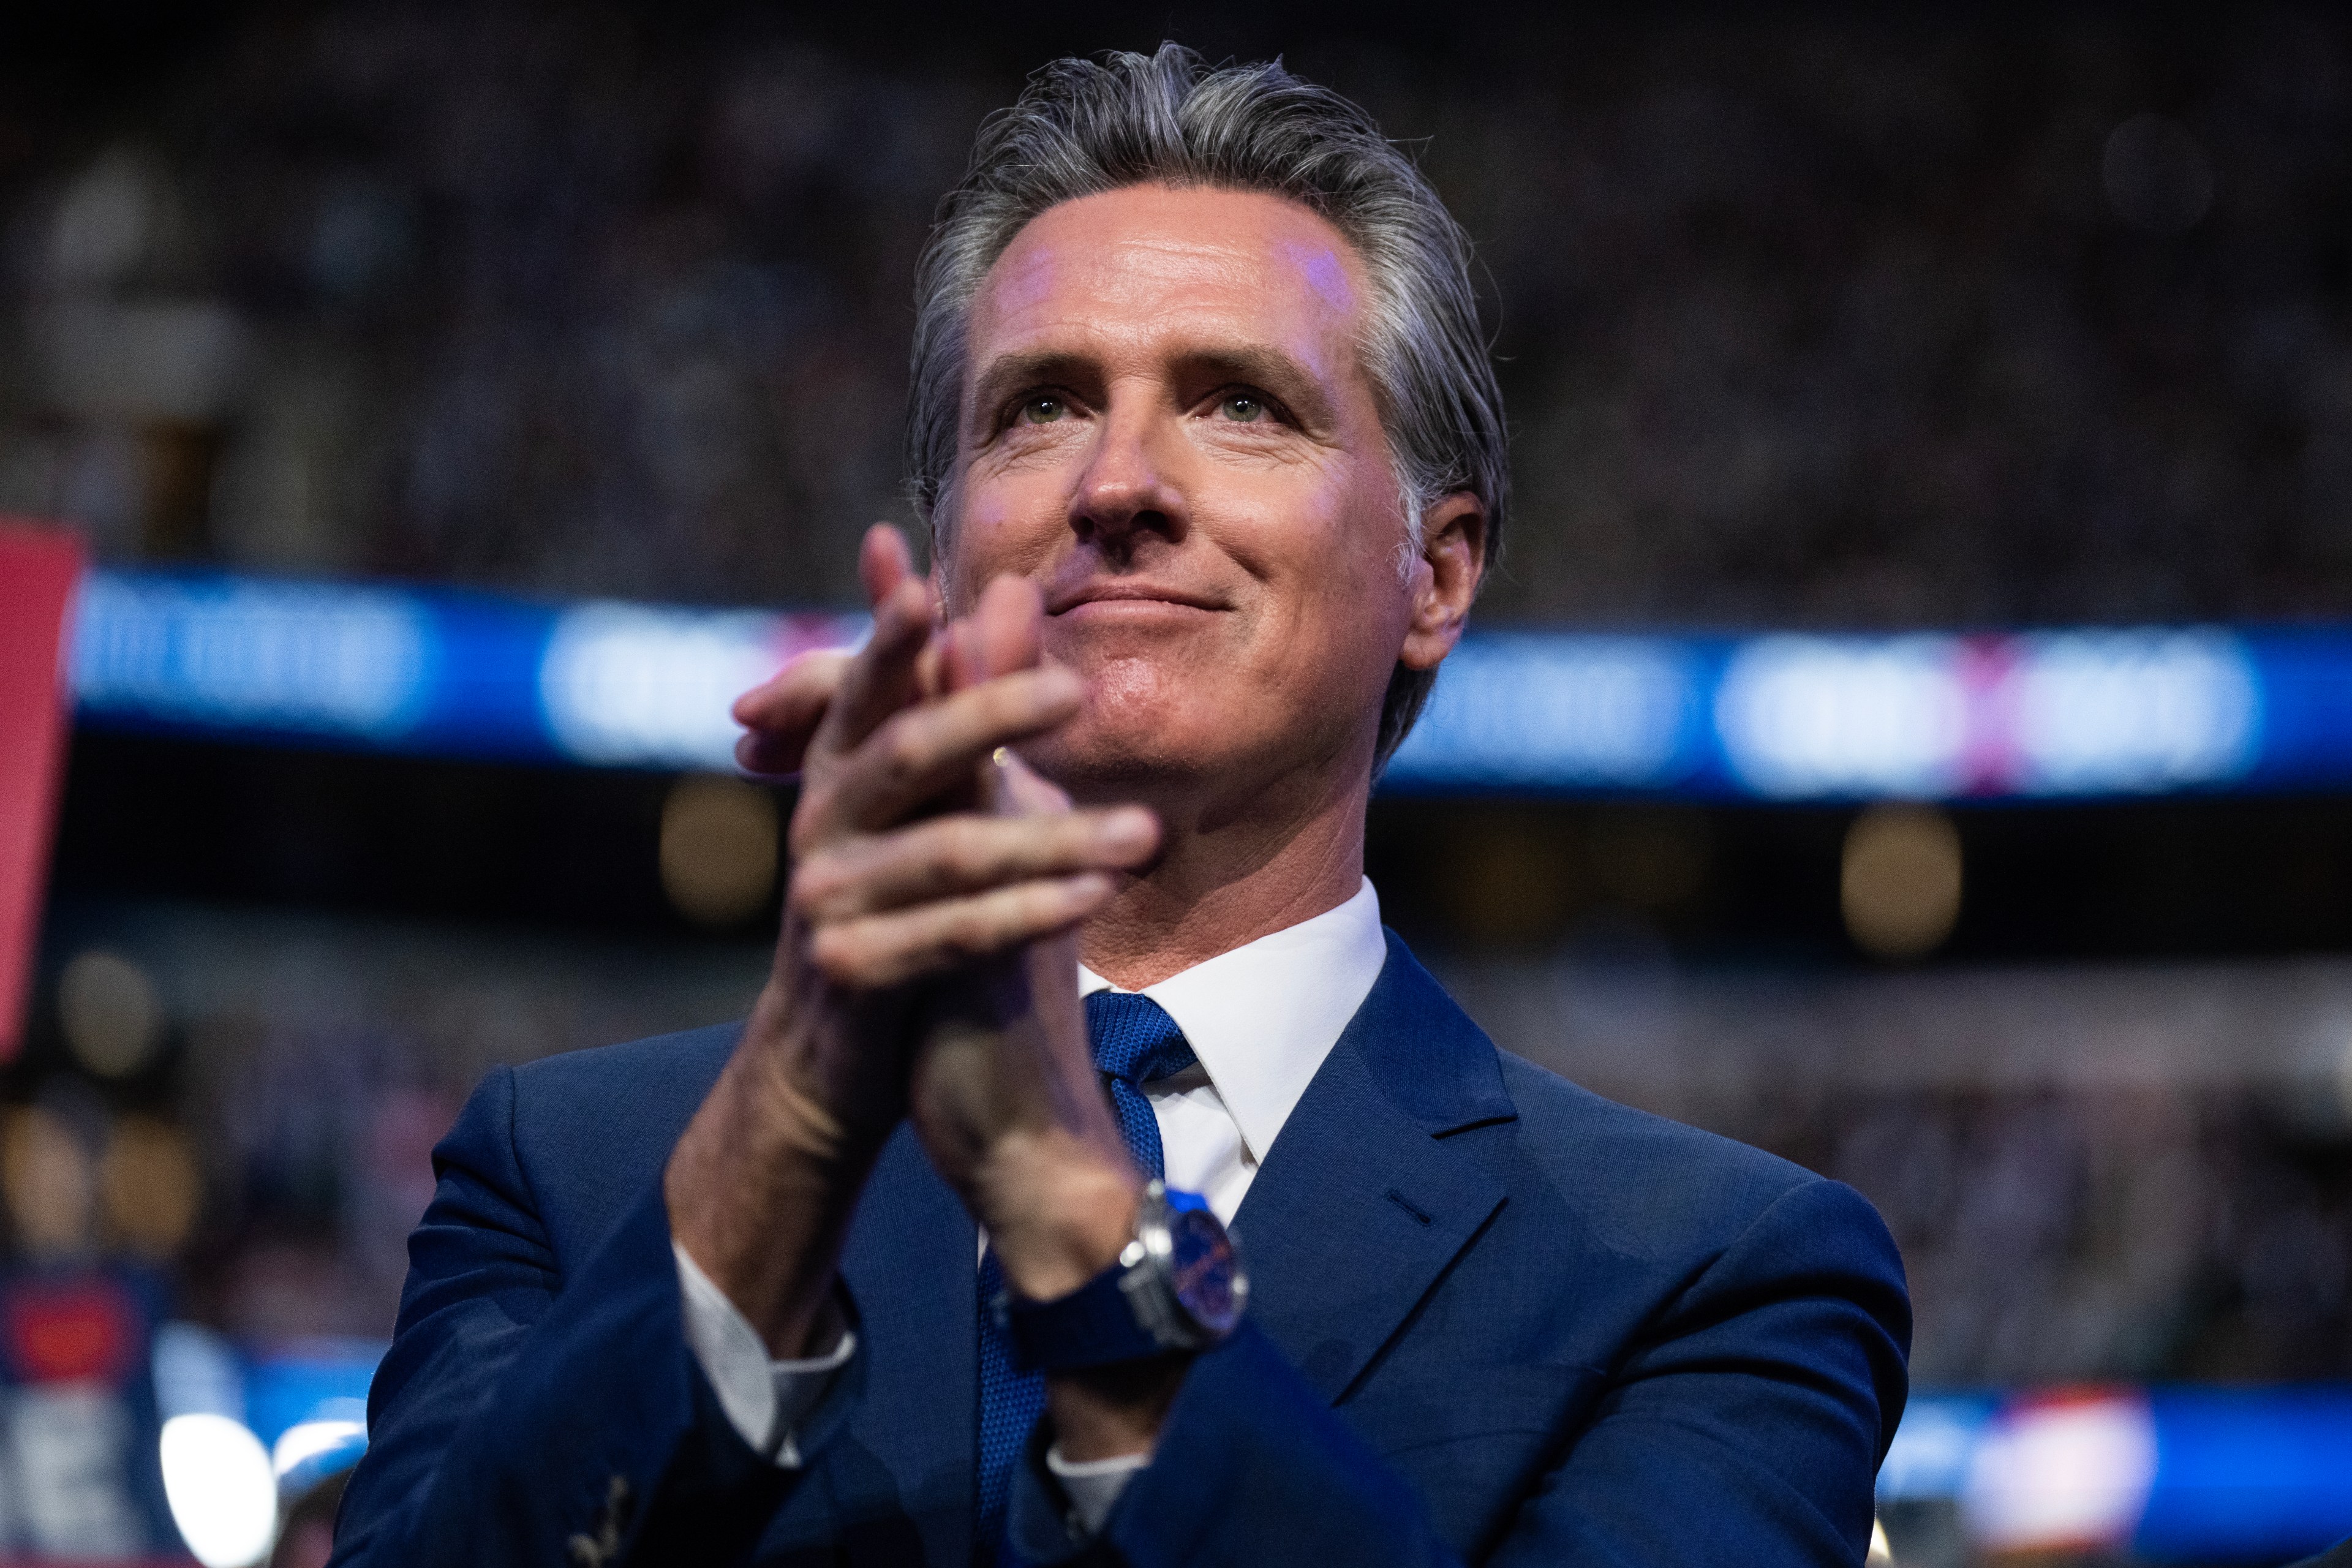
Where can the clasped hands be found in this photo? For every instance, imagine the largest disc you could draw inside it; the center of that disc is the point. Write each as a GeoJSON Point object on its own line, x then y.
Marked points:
{"type": "Point", "coordinates": [926, 970]}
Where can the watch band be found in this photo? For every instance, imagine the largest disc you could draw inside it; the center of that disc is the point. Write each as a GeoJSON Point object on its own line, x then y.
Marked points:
{"type": "Point", "coordinates": [1094, 1325]}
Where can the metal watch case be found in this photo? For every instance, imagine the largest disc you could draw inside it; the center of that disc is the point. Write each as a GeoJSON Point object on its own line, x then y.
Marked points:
{"type": "Point", "coordinates": [1182, 1274]}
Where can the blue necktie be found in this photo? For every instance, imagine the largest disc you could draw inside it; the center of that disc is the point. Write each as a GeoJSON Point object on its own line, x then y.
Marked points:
{"type": "Point", "coordinates": [1135, 1042]}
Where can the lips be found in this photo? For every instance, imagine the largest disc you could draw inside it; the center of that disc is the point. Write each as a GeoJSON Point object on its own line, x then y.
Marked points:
{"type": "Point", "coordinates": [1121, 591]}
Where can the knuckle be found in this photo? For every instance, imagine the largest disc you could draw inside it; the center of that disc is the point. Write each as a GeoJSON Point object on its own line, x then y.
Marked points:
{"type": "Point", "coordinates": [834, 957]}
{"type": "Point", "coordinates": [852, 956]}
{"type": "Point", "coordinates": [1037, 905]}
{"type": "Point", "coordinates": [903, 752]}
{"type": "Point", "coordinates": [964, 850]}
{"type": "Point", "coordinates": [811, 812]}
{"type": "Point", "coordinates": [810, 888]}
{"type": "Point", "coordinates": [969, 935]}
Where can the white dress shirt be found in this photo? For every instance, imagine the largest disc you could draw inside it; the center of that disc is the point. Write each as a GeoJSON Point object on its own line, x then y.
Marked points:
{"type": "Point", "coordinates": [1260, 1018]}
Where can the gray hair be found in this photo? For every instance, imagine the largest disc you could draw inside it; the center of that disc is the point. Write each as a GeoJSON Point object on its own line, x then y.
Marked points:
{"type": "Point", "coordinates": [1083, 127]}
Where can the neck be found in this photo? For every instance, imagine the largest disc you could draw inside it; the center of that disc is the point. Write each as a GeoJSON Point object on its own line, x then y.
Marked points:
{"type": "Point", "coordinates": [1226, 875]}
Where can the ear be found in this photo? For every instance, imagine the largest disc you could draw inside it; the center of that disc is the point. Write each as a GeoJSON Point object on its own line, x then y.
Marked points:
{"type": "Point", "coordinates": [938, 572]}
{"type": "Point", "coordinates": [1445, 581]}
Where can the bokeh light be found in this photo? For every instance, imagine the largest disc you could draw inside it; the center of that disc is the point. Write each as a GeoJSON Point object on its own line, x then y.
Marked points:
{"type": "Point", "coordinates": [149, 1187]}
{"type": "Point", "coordinates": [221, 1491]}
{"type": "Point", "coordinates": [108, 1009]}
{"type": "Point", "coordinates": [49, 1181]}
{"type": "Point", "coordinates": [2062, 1475]}
{"type": "Point", "coordinates": [718, 839]}
{"type": "Point", "coordinates": [1900, 881]}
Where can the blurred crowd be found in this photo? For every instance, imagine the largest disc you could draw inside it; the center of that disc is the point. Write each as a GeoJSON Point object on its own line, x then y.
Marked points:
{"type": "Point", "coordinates": [2138, 1172]}
{"type": "Point", "coordinates": [212, 1147]}
{"type": "Point", "coordinates": [2139, 1235]}
{"type": "Point", "coordinates": [1829, 319]}
{"type": "Point", "coordinates": [2183, 1214]}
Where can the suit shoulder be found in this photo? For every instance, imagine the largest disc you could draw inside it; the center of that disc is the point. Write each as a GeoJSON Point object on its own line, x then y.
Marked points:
{"type": "Point", "coordinates": [592, 1127]}
{"type": "Point", "coordinates": [634, 1067]}
{"type": "Point", "coordinates": [1635, 1175]}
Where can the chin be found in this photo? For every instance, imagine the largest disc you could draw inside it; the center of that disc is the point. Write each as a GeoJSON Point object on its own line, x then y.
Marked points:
{"type": "Point", "coordinates": [1144, 725]}
{"type": "Point", "coordinates": [1154, 731]}
{"type": "Point", "coordinates": [1124, 755]}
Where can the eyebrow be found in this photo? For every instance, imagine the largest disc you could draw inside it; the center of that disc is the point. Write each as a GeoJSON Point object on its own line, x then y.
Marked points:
{"type": "Point", "coordinates": [1008, 373]}
{"type": "Point", "coordinates": [1276, 370]}
{"type": "Point", "coordinates": [1257, 364]}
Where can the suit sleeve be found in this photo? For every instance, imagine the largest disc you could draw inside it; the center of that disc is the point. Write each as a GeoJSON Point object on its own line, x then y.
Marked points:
{"type": "Point", "coordinates": [1746, 1424]}
{"type": "Point", "coordinates": [524, 1417]}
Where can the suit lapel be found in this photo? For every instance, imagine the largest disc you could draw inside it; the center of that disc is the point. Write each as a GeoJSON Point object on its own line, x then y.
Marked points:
{"type": "Point", "coordinates": [1385, 1171]}
{"type": "Point", "coordinates": [1384, 1175]}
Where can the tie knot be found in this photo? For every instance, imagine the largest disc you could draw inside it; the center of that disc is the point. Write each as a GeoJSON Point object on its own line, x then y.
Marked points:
{"type": "Point", "coordinates": [1135, 1040]}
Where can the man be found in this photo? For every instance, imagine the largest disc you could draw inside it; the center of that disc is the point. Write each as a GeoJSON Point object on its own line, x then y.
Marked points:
{"type": "Point", "coordinates": [1213, 462]}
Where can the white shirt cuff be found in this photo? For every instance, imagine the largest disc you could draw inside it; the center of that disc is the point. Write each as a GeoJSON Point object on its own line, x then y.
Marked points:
{"type": "Point", "coordinates": [765, 1399]}
{"type": "Point", "coordinates": [1093, 1485]}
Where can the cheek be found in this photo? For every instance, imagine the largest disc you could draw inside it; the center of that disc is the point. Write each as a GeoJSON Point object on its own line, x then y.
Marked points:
{"type": "Point", "coordinates": [994, 534]}
{"type": "Point", "coordinates": [1348, 589]}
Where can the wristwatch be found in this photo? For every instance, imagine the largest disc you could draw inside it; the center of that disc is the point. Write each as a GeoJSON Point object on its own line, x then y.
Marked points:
{"type": "Point", "coordinates": [1177, 1286]}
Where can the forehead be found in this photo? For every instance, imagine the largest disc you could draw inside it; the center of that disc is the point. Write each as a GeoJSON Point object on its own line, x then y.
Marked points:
{"type": "Point", "coordinates": [1135, 267]}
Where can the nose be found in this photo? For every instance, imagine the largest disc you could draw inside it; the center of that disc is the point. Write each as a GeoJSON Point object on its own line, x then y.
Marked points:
{"type": "Point", "coordinates": [1126, 492]}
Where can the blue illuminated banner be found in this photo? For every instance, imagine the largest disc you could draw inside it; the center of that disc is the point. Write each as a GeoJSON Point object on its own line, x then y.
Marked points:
{"type": "Point", "coordinates": [1919, 715]}
{"type": "Point", "coordinates": [2180, 1474]}
{"type": "Point", "coordinates": [432, 671]}
{"type": "Point", "coordinates": [1783, 716]}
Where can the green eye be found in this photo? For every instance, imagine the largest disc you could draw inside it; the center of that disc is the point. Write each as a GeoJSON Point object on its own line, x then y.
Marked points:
{"type": "Point", "coordinates": [1242, 408]}
{"type": "Point", "coordinates": [1042, 410]}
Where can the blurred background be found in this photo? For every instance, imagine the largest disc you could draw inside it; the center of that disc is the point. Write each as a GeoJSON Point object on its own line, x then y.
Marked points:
{"type": "Point", "coordinates": [419, 377]}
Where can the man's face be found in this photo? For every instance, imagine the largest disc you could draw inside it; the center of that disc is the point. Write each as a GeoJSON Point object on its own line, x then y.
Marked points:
{"type": "Point", "coordinates": [1166, 424]}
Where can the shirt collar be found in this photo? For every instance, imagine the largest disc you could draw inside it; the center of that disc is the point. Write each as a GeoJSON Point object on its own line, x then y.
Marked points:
{"type": "Point", "coordinates": [1262, 1018]}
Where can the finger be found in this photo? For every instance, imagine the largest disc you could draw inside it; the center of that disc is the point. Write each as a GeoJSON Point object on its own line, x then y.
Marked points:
{"type": "Point", "coordinates": [881, 677]}
{"type": "Point", "coordinates": [931, 664]}
{"type": "Point", "coordinates": [923, 751]}
{"type": "Point", "coordinates": [1008, 626]}
{"type": "Point", "coordinates": [883, 561]}
{"type": "Point", "coordinates": [782, 713]}
{"type": "Point", "coordinates": [891, 949]}
{"type": "Point", "coordinates": [808, 680]}
{"type": "Point", "coordinates": [950, 857]}
{"type": "Point", "coordinates": [959, 668]}
{"type": "Point", "coordinates": [1002, 634]}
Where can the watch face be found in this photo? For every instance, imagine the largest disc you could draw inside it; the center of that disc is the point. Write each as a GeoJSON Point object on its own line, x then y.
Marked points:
{"type": "Point", "coordinates": [1203, 1271]}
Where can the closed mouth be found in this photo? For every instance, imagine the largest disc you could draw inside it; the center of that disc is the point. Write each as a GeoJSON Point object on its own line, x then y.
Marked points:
{"type": "Point", "coordinates": [1127, 593]}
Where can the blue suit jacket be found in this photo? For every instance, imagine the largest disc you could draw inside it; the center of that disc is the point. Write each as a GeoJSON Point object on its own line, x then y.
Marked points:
{"type": "Point", "coordinates": [1493, 1317]}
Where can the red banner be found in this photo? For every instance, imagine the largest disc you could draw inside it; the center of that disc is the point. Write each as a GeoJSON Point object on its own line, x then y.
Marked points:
{"type": "Point", "coordinates": [39, 569]}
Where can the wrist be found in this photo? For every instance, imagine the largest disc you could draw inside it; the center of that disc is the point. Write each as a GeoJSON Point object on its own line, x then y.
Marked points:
{"type": "Point", "coordinates": [760, 1191]}
{"type": "Point", "coordinates": [1057, 1213]}
{"type": "Point", "coordinates": [807, 1063]}
{"type": "Point", "coordinates": [1110, 1412]}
